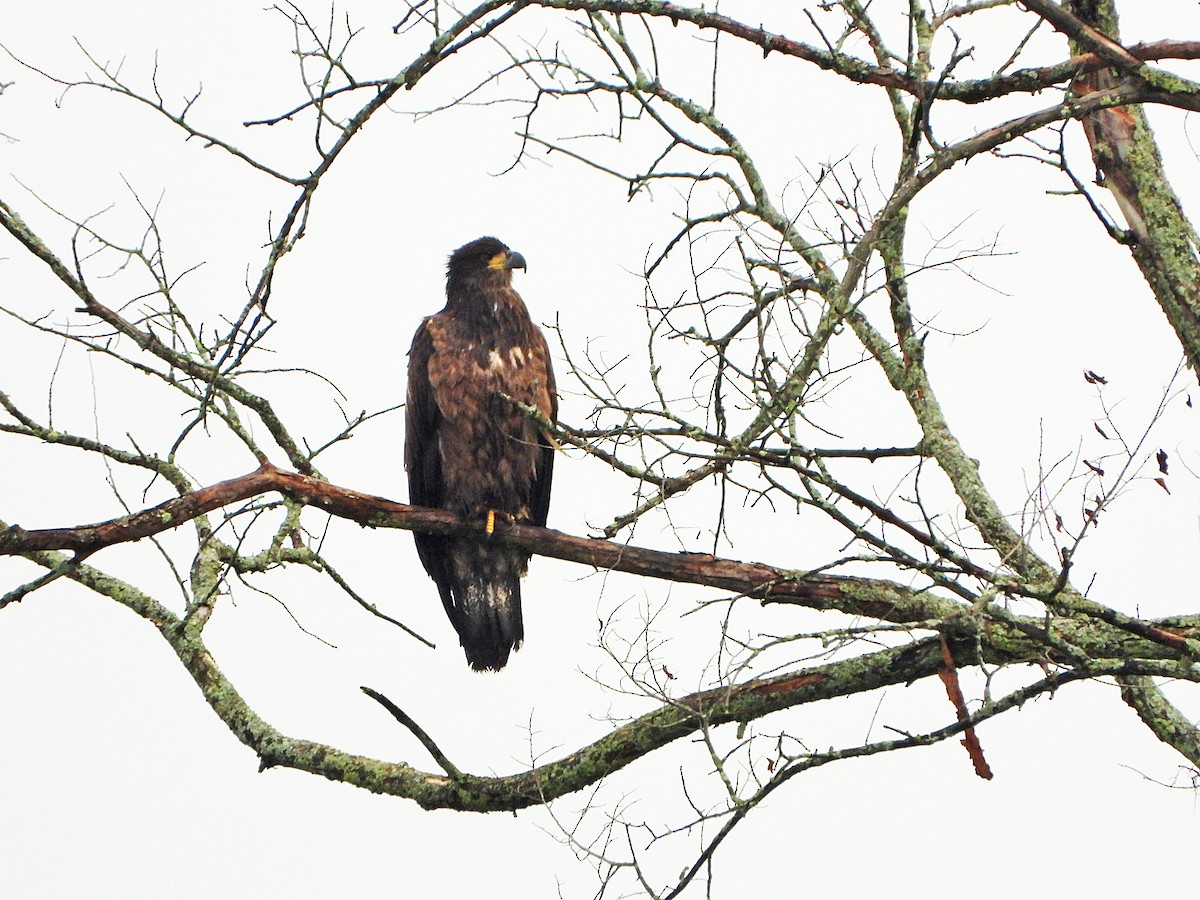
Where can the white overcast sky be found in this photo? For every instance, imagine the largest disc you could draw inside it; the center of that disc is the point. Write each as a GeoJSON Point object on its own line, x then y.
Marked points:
{"type": "Point", "coordinates": [117, 781]}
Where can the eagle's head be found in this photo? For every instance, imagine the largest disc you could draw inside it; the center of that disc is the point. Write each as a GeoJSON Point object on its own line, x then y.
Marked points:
{"type": "Point", "coordinates": [484, 255]}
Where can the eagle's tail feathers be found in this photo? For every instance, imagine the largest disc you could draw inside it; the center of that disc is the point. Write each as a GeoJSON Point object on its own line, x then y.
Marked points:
{"type": "Point", "coordinates": [489, 621]}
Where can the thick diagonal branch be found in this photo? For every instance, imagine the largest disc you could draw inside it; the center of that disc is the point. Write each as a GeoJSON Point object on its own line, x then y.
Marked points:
{"type": "Point", "coordinates": [1161, 716]}
{"type": "Point", "coordinates": [1162, 240]}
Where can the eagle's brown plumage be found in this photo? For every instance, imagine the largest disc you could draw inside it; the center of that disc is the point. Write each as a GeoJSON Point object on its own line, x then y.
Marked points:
{"type": "Point", "coordinates": [469, 450]}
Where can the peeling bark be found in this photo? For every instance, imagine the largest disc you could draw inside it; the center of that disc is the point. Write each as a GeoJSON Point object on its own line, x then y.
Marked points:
{"type": "Point", "coordinates": [1163, 242]}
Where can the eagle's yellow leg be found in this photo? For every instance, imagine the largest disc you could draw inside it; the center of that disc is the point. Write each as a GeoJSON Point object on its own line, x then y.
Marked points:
{"type": "Point", "coordinates": [491, 522]}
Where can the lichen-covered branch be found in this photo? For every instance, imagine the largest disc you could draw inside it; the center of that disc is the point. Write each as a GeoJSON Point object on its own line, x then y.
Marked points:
{"type": "Point", "coordinates": [1160, 237]}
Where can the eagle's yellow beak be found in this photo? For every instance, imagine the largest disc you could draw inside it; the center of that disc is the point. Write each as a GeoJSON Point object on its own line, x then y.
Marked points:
{"type": "Point", "coordinates": [510, 259]}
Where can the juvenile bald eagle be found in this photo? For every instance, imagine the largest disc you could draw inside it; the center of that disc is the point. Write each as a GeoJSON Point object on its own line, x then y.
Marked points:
{"type": "Point", "coordinates": [467, 449]}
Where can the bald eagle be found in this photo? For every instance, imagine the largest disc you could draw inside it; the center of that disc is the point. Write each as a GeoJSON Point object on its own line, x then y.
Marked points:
{"type": "Point", "coordinates": [469, 450]}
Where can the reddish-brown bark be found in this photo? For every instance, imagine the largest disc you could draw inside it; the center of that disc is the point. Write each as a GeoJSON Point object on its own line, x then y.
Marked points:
{"type": "Point", "coordinates": [746, 578]}
{"type": "Point", "coordinates": [949, 676]}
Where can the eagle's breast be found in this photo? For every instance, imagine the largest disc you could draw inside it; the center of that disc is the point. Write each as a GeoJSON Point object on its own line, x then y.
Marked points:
{"type": "Point", "coordinates": [489, 449]}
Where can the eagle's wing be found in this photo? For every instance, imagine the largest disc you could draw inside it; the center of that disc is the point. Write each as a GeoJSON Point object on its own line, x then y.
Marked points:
{"type": "Point", "coordinates": [422, 458]}
{"type": "Point", "coordinates": [421, 421]}
{"type": "Point", "coordinates": [547, 404]}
